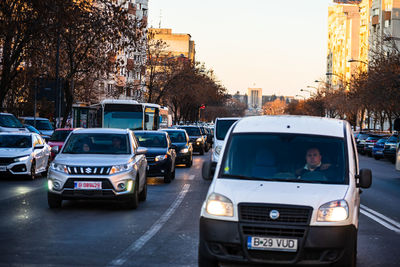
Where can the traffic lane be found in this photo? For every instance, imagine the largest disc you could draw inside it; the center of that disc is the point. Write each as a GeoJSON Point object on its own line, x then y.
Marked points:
{"type": "Point", "coordinates": [176, 244]}
{"type": "Point", "coordinates": [82, 232]}
{"type": "Point", "coordinates": [14, 186]}
{"type": "Point", "coordinates": [384, 194]}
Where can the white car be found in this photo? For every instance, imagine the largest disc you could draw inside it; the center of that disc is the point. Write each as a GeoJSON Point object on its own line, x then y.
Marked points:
{"type": "Point", "coordinates": [286, 190]}
{"type": "Point", "coordinates": [23, 153]}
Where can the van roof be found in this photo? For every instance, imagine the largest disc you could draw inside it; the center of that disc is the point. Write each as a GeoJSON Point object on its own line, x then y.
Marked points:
{"type": "Point", "coordinates": [291, 124]}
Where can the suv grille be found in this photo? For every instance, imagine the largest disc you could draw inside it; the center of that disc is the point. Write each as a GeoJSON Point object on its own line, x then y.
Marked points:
{"type": "Point", "coordinates": [257, 213]}
{"type": "Point", "coordinates": [85, 170]}
{"type": "Point", "coordinates": [6, 160]}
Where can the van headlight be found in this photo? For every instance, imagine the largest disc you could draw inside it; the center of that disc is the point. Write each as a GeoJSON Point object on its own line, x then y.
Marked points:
{"type": "Point", "coordinates": [218, 150]}
{"type": "Point", "coordinates": [120, 168]}
{"type": "Point", "coordinates": [219, 205]}
{"type": "Point", "coordinates": [23, 158]}
{"type": "Point", "coordinates": [59, 167]}
{"type": "Point", "coordinates": [334, 211]}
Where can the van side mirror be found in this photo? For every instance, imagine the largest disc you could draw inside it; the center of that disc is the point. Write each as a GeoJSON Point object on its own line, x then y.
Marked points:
{"type": "Point", "coordinates": [396, 125]}
{"type": "Point", "coordinates": [364, 178]}
{"type": "Point", "coordinates": [206, 170]}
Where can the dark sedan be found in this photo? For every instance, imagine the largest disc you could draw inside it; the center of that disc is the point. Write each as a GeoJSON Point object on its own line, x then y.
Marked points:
{"type": "Point", "coordinates": [389, 151]}
{"type": "Point", "coordinates": [196, 138]}
{"type": "Point", "coordinates": [160, 154]}
{"type": "Point", "coordinates": [377, 150]}
{"type": "Point", "coordinates": [184, 149]}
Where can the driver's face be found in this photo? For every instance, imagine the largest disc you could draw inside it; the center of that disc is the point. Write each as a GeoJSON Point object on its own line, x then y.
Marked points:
{"type": "Point", "coordinates": [313, 158]}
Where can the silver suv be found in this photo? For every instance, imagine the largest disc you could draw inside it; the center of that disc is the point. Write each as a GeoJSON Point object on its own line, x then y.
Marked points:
{"type": "Point", "coordinates": [99, 164]}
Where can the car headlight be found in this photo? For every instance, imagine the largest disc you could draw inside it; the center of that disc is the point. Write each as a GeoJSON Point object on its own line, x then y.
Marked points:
{"type": "Point", "coordinates": [199, 139]}
{"type": "Point", "coordinates": [161, 157]}
{"type": "Point", "coordinates": [219, 205]}
{"type": "Point", "coordinates": [185, 150]}
{"type": "Point", "coordinates": [23, 158]}
{"type": "Point", "coordinates": [333, 211]}
{"type": "Point", "coordinates": [59, 167]}
{"type": "Point", "coordinates": [218, 150]}
{"type": "Point", "coordinates": [120, 168]}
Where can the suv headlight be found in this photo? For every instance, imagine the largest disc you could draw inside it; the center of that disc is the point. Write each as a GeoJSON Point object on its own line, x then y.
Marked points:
{"type": "Point", "coordinates": [333, 211]}
{"type": "Point", "coordinates": [218, 150]}
{"type": "Point", "coordinates": [219, 205]}
{"type": "Point", "coordinates": [161, 157]}
{"type": "Point", "coordinates": [23, 158]}
{"type": "Point", "coordinates": [59, 167]}
{"type": "Point", "coordinates": [185, 150]}
{"type": "Point", "coordinates": [120, 168]}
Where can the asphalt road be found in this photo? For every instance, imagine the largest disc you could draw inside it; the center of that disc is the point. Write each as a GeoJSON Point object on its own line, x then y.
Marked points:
{"type": "Point", "coordinates": [163, 231]}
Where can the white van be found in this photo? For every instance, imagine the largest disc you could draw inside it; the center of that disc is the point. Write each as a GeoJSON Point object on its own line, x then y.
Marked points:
{"type": "Point", "coordinates": [286, 191]}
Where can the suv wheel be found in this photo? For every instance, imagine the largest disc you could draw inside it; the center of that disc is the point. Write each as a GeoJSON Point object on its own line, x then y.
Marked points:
{"type": "Point", "coordinates": [33, 170]}
{"type": "Point", "coordinates": [133, 201]}
{"type": "Point", "coordinates": [44, 173]}
{"type": "Point", "coordinates": [167, 178]}
{"type": "Point", "coordinates": [54, 201]}
{"type": "Point", "coordinates": [143, 194]}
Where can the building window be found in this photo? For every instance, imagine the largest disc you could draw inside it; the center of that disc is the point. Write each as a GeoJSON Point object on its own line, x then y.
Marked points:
{"type": "Point", "coordinates": [110, 88]}
{"type": "Point", "coordinates": [375, 12]}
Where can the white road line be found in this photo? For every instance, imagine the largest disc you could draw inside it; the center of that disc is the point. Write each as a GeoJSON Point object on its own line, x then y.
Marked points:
{"type": "Point", "coordinates": [19, 192]}
{"type": "Point", "coordinates": [139, 243]}
{"type": "Point", "coordinates": [382, 222]}
{"type": "Point", "coordinates": [381, 216]}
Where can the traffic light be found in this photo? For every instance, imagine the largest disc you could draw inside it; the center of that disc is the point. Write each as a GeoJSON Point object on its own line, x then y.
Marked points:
{"type": "Point", "coordinates": [203, 106]}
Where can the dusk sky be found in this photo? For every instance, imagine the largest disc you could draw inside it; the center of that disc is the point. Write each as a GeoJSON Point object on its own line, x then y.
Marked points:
{"type": "Point", "coordinates": [279, 46]}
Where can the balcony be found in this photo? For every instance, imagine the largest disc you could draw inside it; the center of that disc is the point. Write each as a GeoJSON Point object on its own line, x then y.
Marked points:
{"type": "Point", "coordinates": [120, 81]}
{"type": "Point", "coordinates": [387, 15]}
{"type": "Point", "coordinates": [130, 64]}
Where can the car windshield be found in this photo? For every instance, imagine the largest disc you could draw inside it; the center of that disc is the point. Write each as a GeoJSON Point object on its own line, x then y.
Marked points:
{"type": "Point", "coordinates": [10, 121]}
{"type": "Point", "coordinates": [285, 157]}
{"type": "Point", "coordinates": [371, 138]}
{"type": "Point", "coordinates": [362, 136]}
{"type": "Point", "coordinates": [192, 131]}
{"type": "Point", "coordinates": [382, 140]}
{"type": "Point", "coordinates": [177, 136]}
{"type": "Point", "coordinates": [223, 128]}
{"type": "Point", "coordinates": [393, 139]}
{"type": "Point", "coordinates": [151, 139]}
{"type": "Point", "coordinates": [40, 124]}
{"type": "Point", "coordinates": [60, 136]}
{"type": "Point", "coordinates": [31, 129]}
{"type": "Point", "coordinates": [15, 141]}
{"type": "Point", "coordinates": [97, 143]}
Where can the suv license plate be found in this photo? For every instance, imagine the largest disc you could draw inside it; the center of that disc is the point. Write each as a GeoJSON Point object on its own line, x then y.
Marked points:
{"type": "Point", "coordinates": [87, 185]}
{"type": "Point", "coordinates": [3, 168]}
{"type": "Point", "coordinates": [277, 244]}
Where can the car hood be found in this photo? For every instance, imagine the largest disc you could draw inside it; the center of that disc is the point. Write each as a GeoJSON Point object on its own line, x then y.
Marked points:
{"type": "Point", "coordinates": [155, 151]}
{"type": "Point", "coordinates": [14, 152]}
{"type": "Point", "coordinates": [92, 159]}
{"type": "Point", "coordinates": [313, 195]}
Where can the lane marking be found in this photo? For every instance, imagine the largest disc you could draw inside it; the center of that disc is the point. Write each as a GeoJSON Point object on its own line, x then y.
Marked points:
{"type": "Point", "coordinates": [21, 191]}
{"type": "Point", "coordinates": [139, 243]}
{"type": "Point", "coordinates": [381, 219]}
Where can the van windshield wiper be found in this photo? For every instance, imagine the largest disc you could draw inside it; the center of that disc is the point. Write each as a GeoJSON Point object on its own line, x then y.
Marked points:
{"type": "Point", "coordinates": [267, 179]}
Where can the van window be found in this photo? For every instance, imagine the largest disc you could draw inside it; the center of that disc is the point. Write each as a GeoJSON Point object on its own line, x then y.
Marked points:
{"type": "Point", "coordinates": [8, 120]}
{"type": "Point", "coordinates": [222, 128]}
{"type": "Point", "coordinates": [282, 157]}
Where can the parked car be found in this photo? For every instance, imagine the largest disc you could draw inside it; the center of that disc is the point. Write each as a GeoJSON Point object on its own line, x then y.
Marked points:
{"type": "Point", "coordinates": [369, 144]}
{"type": "Point", "coordinates": [196, 138]}
{"type": "Point", "coordinates": [184, 149]}
{"type": "Point", "coordinates": [286, 190]}
{"type": "Point", "coordinates": [361, 136]}
{"type": "Point", "coordinates": [23, 153]}
{"type": "Point", "coordinates": [160, 154]}
{"type": "Point", "coordinates": [105, 164]}
{"type": "Point", "coordinates": [9, 123]}
{"type": "Point", "coordinates": [389, 151]}
{"type": "Point", "coordinates": [377, 150]}
{"type": "Point", "coordinates": [58, 138]}
{"type": "Point", "coordinates": [42, 124]}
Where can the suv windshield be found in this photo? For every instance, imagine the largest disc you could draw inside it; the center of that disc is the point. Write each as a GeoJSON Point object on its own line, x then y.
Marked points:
{"type": "Point", "coordinates": [60, 136]}
{"type": "Point", "coordinates": [151, 139]}
{"type": "Point", "coordinates": [285, 157]}
{"type": "Point", "coordinates": [97, 143]}
{"type": "Point", "coordinates": [192, 131]}
{"type": "Point", "coordinates": [223, 127]}
{"type": "Point", "coordinates": [40, 124]}
{"type": "Point", "coordinates": [7, 120]}
{"type": "Point", "coordinates": [15, 141]}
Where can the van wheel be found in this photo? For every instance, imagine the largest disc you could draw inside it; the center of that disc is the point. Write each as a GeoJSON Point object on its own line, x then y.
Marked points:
{"type": "Point", "coordinates": [143, 194]}
{"type": "Point", "coordinates": [54, 201]}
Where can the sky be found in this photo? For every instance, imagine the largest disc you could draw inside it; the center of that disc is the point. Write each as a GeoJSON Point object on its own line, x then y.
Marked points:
{"type": "Point", "coordinates": [277, 45]}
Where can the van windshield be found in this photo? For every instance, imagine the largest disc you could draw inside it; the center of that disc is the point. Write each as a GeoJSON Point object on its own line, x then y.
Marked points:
{"type": "Point", "coordinates": [286, 158]}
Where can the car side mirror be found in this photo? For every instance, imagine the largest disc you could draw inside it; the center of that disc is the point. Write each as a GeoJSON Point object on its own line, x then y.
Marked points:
{"type": "Point", "coordinates": [364, 178]}
{"type": "Point", "coordinates": [55, 150]}
{"type": "Point", "coordinates": [141, 151]}
{"type": "Point", "coordinates": [39, 146]}
{"type": "Point", "coordinates": [206, 170]}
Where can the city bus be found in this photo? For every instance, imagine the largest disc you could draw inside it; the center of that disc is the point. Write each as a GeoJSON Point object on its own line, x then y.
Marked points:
{"type": "Point", "coordinates": [165, 118]}
{"type": "Point", "coordinates": [122, 114]}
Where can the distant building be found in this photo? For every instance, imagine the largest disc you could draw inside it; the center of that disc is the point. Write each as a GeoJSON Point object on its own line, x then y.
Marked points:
{"type": "Point", "coordinates": [254, 101]}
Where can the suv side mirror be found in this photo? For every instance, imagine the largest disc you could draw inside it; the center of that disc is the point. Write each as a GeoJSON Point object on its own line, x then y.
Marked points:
{"type": "Point", "coordinates": [396, 125]}
{"type": "Point", "coordinates": [364, 178]}
{"type": "Point", "coordinates": [55, 150]}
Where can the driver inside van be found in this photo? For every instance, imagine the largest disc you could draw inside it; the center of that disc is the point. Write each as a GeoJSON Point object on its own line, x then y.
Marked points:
{"type": "Point", "coordinates": [313, 163]}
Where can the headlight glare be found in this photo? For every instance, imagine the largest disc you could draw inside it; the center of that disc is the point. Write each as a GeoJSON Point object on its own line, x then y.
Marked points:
{"type": "Point", "coordinates": [161, 157]}
{"type": "Point", "coordinates": [23, 158]}
{"type": "Point", "coordinates": [198, 139]}
{"type": "Point", "coordinates": [334, 211]}
{"type": "Point", "coordinates": [185, 150]}
{"type": "Point", "coordinates": [219, 205]}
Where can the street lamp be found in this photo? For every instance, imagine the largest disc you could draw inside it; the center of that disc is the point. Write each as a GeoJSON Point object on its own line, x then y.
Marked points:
{"type": "Point", "coordinates": [304, 90]}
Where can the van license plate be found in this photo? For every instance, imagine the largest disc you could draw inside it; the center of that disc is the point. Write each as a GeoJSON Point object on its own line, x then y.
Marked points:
{"type": "Point", "coordinates": [87, 185]}
{"type": "Point", "coordinates": [3, 168]}
{"type": "Point", "coordinates": [277, 244]}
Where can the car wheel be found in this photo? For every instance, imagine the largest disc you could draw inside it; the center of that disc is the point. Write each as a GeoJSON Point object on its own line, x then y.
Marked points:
{"type": "Point", "coordinates": [33, 170]}
{"type": "Point", "coordinates": [167, 178]}
{"type": "Point", "coordinates": [54, 201]}
{"type": "Point", "coordinates": [201, 150]}
{"type": "Point", "coordinates": [133, 201]}
{"type": "Point", "coordinates": [173, 175]}
{"type": "Point", "coordinates": [190, 163]}
{"type": "Point", "coordinates": [143, 194]}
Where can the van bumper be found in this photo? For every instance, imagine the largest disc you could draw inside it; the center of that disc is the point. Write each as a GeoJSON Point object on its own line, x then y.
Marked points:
{"type": "Point", "coordinates": [224, 241]}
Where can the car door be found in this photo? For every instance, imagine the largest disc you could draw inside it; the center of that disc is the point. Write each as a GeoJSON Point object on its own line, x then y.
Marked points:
{"type": "Point", "coordinates": [171, 152]}
{"type": "Point", "coordinates": [140, 160]}
{"type": "Point", "coordinates": [37, 153]}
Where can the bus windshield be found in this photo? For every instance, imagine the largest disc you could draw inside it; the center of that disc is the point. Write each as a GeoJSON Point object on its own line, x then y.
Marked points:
{"type": "Point", "coordinates": [123, 117]}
